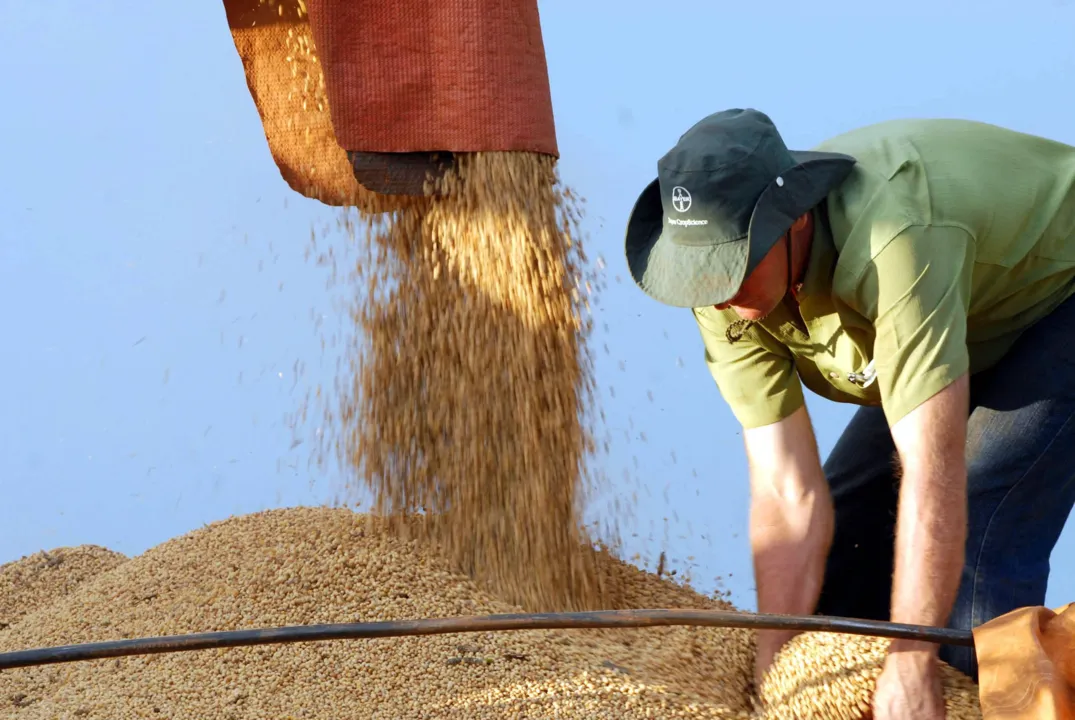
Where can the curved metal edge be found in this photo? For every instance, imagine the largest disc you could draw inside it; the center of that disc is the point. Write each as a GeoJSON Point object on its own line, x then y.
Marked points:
{"type": "Point", "coordinates": [439, 626]}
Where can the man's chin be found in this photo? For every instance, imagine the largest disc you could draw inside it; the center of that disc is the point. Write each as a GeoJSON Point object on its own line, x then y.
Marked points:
{"type": "Point", "coordinates": [753, 314]}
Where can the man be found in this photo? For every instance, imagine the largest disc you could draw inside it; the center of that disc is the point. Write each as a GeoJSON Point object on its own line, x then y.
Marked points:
{"type": "Point", "coordinates": [921, 269]}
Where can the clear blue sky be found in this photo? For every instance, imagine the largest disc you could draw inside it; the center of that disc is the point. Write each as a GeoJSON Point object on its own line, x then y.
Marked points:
{"type": "Point", "coordinates": [154, 297]}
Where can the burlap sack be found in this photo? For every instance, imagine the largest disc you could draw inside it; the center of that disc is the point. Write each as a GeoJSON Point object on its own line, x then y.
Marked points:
{"type": "Point", "coordinates": [408, 77]}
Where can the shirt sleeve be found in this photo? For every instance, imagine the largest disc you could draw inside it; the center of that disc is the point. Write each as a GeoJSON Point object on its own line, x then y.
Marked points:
{"type": "Point", "coordinates": [917, 292]}
{"type": "Point", "coordinates": [759, 383]}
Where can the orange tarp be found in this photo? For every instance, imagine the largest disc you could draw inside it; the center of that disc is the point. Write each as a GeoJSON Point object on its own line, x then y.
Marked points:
{"type": "Point", "coordinates": [1026, 665]}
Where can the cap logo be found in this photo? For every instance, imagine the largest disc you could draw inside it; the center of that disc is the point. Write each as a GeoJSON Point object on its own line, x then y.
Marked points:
{"type": "Point", "coordinates": [681, 199]}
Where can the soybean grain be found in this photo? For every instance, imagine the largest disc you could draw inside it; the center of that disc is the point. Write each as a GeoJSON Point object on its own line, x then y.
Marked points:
{"type": "Point", "coordinates": [36, 580]}
{"type": "Point", "coordinates": [833, 675]}
{"type": "Point", "coordinates": [308, 565]}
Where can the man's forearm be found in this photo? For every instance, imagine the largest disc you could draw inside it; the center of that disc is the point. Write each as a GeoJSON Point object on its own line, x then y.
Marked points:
{"type": "Point", "coordinates": [930, 547]}
{"type": "Point", "coordinates": [790, 541]}
{"type": "Point", "coordinates": [791, 522]}
{"type": "Point", "coordinates": [932, 518]}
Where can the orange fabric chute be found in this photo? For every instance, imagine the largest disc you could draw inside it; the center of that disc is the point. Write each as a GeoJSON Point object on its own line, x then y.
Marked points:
{"type": "Point", "coordinates": [1026, 665]}
{"type": "Point", "coordinates": [275, 45]}
{"type": "Point", "coordinates": [384, 78]}
{"type": "Point", "coordinates": [456, 75]}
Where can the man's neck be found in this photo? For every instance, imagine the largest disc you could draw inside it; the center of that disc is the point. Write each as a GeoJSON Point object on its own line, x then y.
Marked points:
{"type": "Point", "coordinates": [804, 241]}
{"type": "Point", "coordinates": [801, 244]}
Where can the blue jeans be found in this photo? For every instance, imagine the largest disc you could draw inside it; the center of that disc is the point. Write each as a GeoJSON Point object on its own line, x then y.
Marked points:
{"type": "Point", "coordinates": [1021, 488]}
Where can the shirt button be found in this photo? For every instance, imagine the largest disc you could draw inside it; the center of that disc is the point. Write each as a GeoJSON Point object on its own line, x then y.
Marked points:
{"type": "Point", "coordinates": [833, 374]}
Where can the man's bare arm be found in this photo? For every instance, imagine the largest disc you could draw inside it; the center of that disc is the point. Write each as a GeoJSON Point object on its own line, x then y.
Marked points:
{"type": "Point", "coordinates": [932, 519]}
{"type": "Point", "coordinates": [791, 522]}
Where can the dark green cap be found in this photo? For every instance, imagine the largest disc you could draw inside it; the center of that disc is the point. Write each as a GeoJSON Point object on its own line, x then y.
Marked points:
{"type": "Point", "coordinates": [723, 197]}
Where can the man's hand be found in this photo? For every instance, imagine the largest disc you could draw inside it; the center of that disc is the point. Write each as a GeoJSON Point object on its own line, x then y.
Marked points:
{"type": "Point", "coordinates": [791, 524]}
{"type": "Point", "coordinates": [909, 687]}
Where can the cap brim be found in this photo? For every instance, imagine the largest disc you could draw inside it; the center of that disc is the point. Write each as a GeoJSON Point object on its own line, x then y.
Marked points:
{"type": "Point", "coordinates": [805, 185]}
{"type": "Point", "coordinates": [686, 276]}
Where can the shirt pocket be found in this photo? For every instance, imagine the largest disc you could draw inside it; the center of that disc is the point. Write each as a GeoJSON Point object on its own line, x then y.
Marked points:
{"type": "Point", "coordinates": [854, 355]}
{"type": "Point", "coordinates": [844, 351]}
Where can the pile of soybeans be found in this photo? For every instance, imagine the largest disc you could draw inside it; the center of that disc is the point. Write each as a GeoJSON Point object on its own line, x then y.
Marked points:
{"type": "Point", "coordinates": [309, 565]}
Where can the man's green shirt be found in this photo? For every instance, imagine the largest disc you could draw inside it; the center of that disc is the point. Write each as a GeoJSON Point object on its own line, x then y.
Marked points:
{"type": "Point", "coordinates": [946, 241]}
